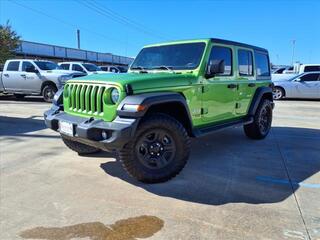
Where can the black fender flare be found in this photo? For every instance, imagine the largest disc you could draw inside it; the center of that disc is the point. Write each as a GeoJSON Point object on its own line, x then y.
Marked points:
{"type": "Point", "coordinates": [261, 93]}
{"type": "Point", "coordinates": [148, 100]}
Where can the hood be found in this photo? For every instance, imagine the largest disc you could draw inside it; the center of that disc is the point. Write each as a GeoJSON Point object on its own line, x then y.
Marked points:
{"type": "Point", "coordinates": [61, 72]}
{"type": "Point", "coordinates": [140, 81]}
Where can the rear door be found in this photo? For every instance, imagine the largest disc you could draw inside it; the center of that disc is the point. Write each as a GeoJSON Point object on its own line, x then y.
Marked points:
{"type": "Point", "coordinates": [219, 92]}
{"type": "Point", "coordinates": [13, 79]}
{"type": "Point", "coordinates": [246, 80]}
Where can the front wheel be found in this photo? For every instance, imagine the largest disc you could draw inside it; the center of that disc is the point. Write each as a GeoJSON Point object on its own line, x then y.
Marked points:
{"type": "Point", "coordinates": [158, 152]}
{"type": "Point", "coordinates": [261, 124]}
{"type": "Point", "coordinates": [48, 92]}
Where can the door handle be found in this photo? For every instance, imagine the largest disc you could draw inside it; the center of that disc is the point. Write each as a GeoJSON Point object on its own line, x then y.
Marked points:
{"type": "Point", "coordinates": [6, 75]}
{"type": "Point", "coordinates": [251, 84]}
{"type": "Point", "coordinates": [23, 75]}
{"type": "Point", "coordinates": [232, 85]}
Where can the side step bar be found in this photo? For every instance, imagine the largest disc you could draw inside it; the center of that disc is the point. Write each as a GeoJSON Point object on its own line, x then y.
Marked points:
{"type": "Point", "coordinates": [198, 132]}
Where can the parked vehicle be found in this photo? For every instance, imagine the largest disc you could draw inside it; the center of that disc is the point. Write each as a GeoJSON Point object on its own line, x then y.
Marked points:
{"type": "Point", "coordinates": [309, 68]}
{"type": "Point", "coordinates": [87, 68]}
{"type": "Point", "coordinates": [305, 85]}
{"type": "Point", "coordinates": [172, 92]}
{"type": "Point", "coordinates": [110, 68]}
{"type": "Point", "coordinates": [34, 77]}
{"type": "Point", "coordinates": [123, 69]}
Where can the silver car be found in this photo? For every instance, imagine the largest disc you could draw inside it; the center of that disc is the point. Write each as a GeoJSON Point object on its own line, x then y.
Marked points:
{"type": "Point", "coordinates": [305, 85]}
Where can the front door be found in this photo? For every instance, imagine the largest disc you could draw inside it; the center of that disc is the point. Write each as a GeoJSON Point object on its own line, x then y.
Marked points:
{"type": "Point", "coordinates": [219, 92]}
{"type": "Point", "coordinates": [32, 81]}
{"type": "Point", "coordinates": [308, 86]}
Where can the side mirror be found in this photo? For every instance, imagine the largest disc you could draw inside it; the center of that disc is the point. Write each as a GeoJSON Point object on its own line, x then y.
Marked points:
{"type": "Point", "coordinates": [32, 69]}
{"type": "Point", "coordinates": [215, 67]}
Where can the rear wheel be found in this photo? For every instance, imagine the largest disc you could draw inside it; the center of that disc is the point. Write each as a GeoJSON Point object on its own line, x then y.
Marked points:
{"type": "Point", "coordinates": [158, 152]}
{"type": "Point", "coordinates": [48, 92]}
{"type": "Point", "coordinates": [261, 124]}
{"type": "Point", "coordinates": [278, 93]}
{"type": "Point", "coordinates": [80, 148]}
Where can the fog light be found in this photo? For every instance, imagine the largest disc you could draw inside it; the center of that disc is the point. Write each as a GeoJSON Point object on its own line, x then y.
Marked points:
{"type": "Point", "coordinates": [104, 135]}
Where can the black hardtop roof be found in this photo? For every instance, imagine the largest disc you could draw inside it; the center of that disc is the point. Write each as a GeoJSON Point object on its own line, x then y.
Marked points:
{"type": "Point", "coordinates": [222, 41]}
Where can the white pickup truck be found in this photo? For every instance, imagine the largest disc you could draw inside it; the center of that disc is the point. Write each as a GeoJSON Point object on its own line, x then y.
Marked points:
{"type": "Point", "coordinates": [23, 77]}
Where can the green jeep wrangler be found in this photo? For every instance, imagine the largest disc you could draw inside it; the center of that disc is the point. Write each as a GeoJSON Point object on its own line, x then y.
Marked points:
{"type": "Point", "coordinates": [172, 92]}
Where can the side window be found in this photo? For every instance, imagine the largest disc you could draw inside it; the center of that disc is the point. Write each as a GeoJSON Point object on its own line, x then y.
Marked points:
{"type": "Point", "coordinates": [25, 65]}
{"type": "Point", "coordinates": [262, 64]}
{"type": "Point", "coordinates": [311, 68]}
{"type": "Point", "coordinates": [65, 66]}
{"type": "Point", "coordinates": [113, 69]}
{"type": "Point", "coordinates": [77, 67]}
{"type": "Point", "coordinates": [224, 54]}
{"type": "Point", "coordinates": [245, 63]}
{"type": "Point", "coordinates": [310, 77]}
{"type": "Point", "coordinates": [13, 66]}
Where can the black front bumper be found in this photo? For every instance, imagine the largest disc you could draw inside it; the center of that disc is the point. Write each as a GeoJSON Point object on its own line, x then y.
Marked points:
{"type": "Point", "coordinates": [89, 130]}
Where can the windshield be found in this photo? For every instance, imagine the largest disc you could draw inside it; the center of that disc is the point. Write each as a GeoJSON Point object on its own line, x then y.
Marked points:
{"type": "Point", "coordinates": [43, 65]}
{"type": "Point", "coordinates": [175, 57]}
{"type": "Point", "coordinates": [91, 67]}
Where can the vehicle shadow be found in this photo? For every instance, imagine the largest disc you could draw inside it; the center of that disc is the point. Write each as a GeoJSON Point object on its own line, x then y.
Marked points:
{"type": "Point", "coordinates": [14, 126]}
{"type": "Point", "coordinates": [227, 167]}
{"type": "Point", "coordinates": [25, 99]}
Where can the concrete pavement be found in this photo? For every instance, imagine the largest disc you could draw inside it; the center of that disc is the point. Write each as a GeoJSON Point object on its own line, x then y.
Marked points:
{"type": "Point", "coordinates": [231, 188]}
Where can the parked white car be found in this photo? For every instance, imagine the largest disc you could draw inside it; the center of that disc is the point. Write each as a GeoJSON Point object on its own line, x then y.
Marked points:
{"type": "Point", "coordinates": [305, 85]}
{"type": "Point", "coordinates": [87, 68]}
{"type": "Point", "coordinates": [23, 77]}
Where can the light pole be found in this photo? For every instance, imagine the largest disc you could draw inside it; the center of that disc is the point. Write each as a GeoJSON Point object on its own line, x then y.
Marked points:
{"type": "Point", "coordinates": [78, 38]}
{"type": "Point", "coordinates": [293, 48]}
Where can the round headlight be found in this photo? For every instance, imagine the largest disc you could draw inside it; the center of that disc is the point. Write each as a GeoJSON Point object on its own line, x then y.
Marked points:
{"type": "Point", "coordinates": [114, 95]}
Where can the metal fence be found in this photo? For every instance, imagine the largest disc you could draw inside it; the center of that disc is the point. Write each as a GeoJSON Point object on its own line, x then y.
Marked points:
{"type": "Point", "coordinates": [45, 50]}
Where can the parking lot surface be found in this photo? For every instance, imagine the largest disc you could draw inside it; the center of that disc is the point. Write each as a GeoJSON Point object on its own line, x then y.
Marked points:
{"type": "Point", "coordinates": [231, 188]}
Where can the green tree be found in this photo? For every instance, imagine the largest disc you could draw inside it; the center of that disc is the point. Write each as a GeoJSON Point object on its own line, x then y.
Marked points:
{"type": "Point", "coordinates": [9, 41]}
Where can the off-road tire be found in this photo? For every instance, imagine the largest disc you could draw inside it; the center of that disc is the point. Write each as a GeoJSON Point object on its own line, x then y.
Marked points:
{"type": "Point", "coordinates": [278, 93]}
{"type": "Point", "coordinates": [80, 148]}
{"type": "Point", "coordinates": [262, 121]}
{"type": "Point", "coordinates": [19, 96]}
{"type": "Point", "coordinates": [48, 92]}
{"type": "Point", "coordinates": [169, 128]}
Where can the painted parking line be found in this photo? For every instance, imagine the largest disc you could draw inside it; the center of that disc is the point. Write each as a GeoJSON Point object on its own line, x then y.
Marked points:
{"type": "Point", "coordinates": [286, 182]}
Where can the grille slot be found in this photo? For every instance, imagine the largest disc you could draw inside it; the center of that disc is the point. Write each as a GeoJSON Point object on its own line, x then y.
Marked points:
{"type": "Point", "coordinates": [86, 98]}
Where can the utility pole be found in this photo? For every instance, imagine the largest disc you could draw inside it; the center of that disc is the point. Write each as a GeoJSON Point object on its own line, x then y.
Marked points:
{"type": "Point", "coordinates": [293, 48]}
{"type": "Point", "coordinates": [78, 37]}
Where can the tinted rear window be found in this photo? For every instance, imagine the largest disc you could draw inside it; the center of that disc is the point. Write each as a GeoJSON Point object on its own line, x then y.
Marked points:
{"type": "Point", "coordinates": [262, 64]}
{"type": "Point", "coordinates": [13, 66]}
{"type": "Point", "coordinates": [65, 66]}
{"type": "Point", "coordinates": [311, 68]}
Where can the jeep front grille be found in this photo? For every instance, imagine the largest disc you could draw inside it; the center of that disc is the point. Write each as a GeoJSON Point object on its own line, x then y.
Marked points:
{"type": "Point", "coordinates": [85, 98]}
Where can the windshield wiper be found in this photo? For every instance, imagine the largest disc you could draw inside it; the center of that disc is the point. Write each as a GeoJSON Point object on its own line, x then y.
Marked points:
{"type": "Point", "coordinates": [163, 67]}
